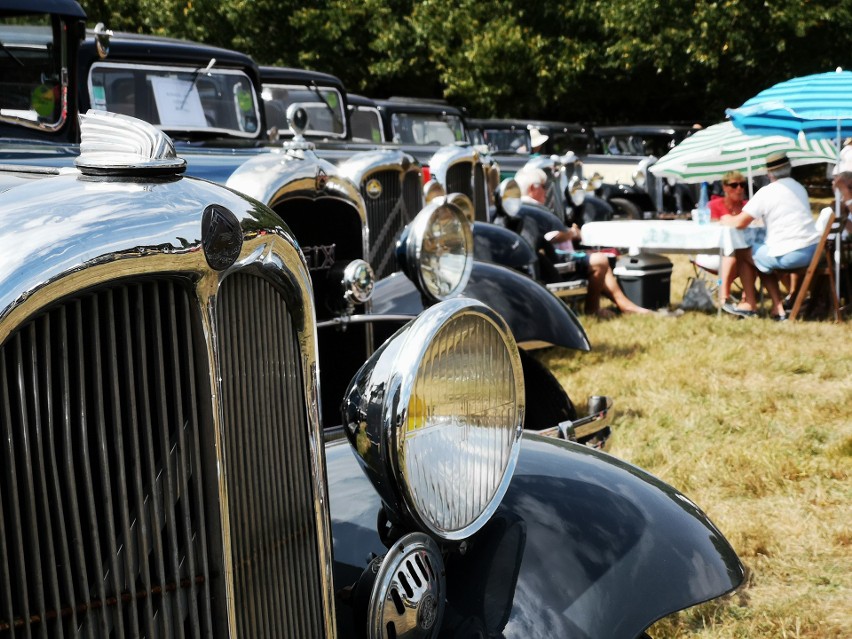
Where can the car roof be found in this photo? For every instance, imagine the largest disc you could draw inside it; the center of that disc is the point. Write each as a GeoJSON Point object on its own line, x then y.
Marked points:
{"type": "Point", "coordinates": [287, 75]}
{"type": "Point", "coordinates": [356, 99]}
{"type": "Point", "coordinates": [418, 105]}
{"type": "Point", "coordinates": [137, 47]}
{"type": "Point", "coordinates": [518, 123]}
{"type": "Point", "coordinates": [643, 129]}
{"type": "Point", "coordinates": [59, 7]}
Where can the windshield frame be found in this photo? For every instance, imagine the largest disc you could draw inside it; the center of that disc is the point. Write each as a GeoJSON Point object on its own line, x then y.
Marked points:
{"type": "Point", "coordinates": [166, 73]}
{"type": "Point", "coordinates": [397, 119]}
{"type": "Point", "coordinates": [320, 101]}
{"type": "Point", "coordinates": [58, 27]}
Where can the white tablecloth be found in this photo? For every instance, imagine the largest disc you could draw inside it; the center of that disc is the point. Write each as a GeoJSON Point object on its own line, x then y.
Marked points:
{"type": "Point", "coordinates": [664, 236]}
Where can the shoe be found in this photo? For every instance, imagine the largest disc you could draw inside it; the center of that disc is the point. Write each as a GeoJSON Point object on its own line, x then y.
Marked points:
{"type": "Point", "coordinates": [779, 318]}
{"type": "Point", "coordinates": [739, 312]}
{"type": "Point", "coordinates": [788, 303]}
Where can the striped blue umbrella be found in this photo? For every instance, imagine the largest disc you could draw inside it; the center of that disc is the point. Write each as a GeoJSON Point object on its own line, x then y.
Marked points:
{"type": "Point", "coordinates": [815, 106]}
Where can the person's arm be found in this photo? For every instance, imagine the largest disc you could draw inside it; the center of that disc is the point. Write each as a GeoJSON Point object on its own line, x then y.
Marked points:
{"type": "Point", "coordinates": [739, 221]}
{"type": "Point", "coordinates": [568, 235]}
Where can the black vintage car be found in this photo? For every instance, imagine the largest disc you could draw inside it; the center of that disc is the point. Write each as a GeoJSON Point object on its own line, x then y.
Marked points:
{"type": "Point", "coordinates": [622, 155]}
{"type": "Point", "coordinates": [347, 209]}
{"type": "Point", "coordinates": [164, 471]}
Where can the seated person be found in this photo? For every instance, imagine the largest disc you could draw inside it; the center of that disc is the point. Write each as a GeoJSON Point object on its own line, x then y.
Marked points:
{"type": "Point", "coordinates": [592, 266]}
{"type": "Point", "coordinates": [791, 236]}
{"type": "Point", "coordinates": [731, 203]}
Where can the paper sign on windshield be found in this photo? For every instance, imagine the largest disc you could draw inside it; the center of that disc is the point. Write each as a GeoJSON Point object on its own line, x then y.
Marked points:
{"type": "Point", "coordinates": [178, 103]}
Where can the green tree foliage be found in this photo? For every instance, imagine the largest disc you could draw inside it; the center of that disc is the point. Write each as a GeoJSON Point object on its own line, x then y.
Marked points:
{"type": "Point", "coordinates": [623, 60]}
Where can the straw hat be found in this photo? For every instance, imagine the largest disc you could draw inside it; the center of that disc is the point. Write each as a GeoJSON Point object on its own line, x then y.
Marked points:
{"type": "Point", "coordinates": [536, 137]}
{"type": "Point", "coordinates": [776, 160]}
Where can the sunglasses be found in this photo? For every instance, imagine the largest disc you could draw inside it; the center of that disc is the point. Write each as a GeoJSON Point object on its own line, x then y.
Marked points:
{"type": "Point", "coordinates": [735, 185]}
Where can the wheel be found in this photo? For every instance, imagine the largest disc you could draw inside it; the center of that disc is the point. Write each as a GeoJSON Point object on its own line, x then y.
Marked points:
{"type": "Point", "coordinates": [625, 209]}
{"type": "Point", "coordinates": [547, 402]}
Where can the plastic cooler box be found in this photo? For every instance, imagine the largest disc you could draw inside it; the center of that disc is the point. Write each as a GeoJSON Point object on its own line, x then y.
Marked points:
{"type": "Point", "coordinates": [645, 278]}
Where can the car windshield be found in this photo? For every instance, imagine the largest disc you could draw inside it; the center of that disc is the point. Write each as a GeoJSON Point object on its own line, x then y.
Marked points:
{"type": "Point", "coordinates": [219, 102]}
{"type": "Point", "coordinates": [32, 89]}
{"type": "Point", "coordinates": [426, 128]}
{"type": "Point", "coordinates": [323, 105]}
{"type": "Point", "coordinates": [366, 124]}
{"type": "Point", "coordinates": [562, 142]}
{"type": "Point", "coordinates": [648, 144]}
{"type": "Point", "coordinates": [507, 140]}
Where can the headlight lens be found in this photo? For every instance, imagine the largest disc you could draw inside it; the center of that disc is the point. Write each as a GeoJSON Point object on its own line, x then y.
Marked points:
{"type": "Point", "coordinates": [439, 250]}
{"type": "Point", "coordinates": [443, 442]}
{"type": "Point", "coordinates": [465, 205]}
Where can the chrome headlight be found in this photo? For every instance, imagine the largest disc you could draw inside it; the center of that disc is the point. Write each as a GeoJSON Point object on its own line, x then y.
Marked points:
{"type": "Point", "coordinates": [510, 196]}
{"type": "Point", "coordinates": [433, 189]}
{"type": "Point", "coordinates": [436, 417]}
{"type": "Point", "coordinates": [596, 181]}
{"type": "Point", "coordinates": [464, 203]}
{"type": "Point", "coordinates": [639, 178]}
{"type": "Point", "coordinates": [358, 281]}
{"type": "Point", "coordinates": [576, 190]}
{"type": "Point", "coordinates": [436, 250]}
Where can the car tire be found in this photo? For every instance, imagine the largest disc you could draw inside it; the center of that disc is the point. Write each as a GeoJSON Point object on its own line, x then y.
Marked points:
{"type": "Point", "coordinates": [546, 399]}
{"type": "Point", "coordinates": [625, 209]}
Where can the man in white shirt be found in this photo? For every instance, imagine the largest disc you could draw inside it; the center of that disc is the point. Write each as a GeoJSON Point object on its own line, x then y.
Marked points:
{"type": "Point", "coordinates": [791, 236]}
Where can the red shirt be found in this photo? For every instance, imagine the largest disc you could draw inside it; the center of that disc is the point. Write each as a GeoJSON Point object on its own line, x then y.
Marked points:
{"type": "Point", "coordinates": [718, 208]}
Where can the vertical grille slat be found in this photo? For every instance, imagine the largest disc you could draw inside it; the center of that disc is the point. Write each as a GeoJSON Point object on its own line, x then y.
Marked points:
{"type": "Point", "coordinates": [276, 556]}
{"type": "Point", "coordinates": [460, 179]}
{"type": "Point", "coordinates": [387, 215]}
{"type": "Point", "coordinates": [480, 197]}
{"type": "Point", "coordinates": [124, 496]}
{"type": "Point", "coordinates": [96, 490]}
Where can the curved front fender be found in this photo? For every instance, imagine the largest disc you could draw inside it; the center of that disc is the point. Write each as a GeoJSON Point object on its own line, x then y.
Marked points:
{"type": "Point", "coordinates": [602, 549]}
{"type": "Point", "coordinates": [532, 312]}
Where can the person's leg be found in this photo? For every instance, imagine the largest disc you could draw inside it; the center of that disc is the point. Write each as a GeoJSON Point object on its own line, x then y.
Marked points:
{"type": "Point", "coordinates": [727, 274]}
{"type": "Point", "coordinates": [768, 263]}
{"type": "Point", "coordinates": [599, 265]}
{"type": "Point", "coordinates": [748, 276]}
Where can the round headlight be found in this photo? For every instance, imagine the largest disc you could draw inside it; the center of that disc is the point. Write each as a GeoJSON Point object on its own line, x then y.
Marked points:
{"type": "Point", "coordinates": [436, 416]}
{"type": "Point", "coordinates": [465, 205]}
{"type": "Point", "coordinates": [437, 250]}
{"type": "Point", "coordinates": [576, 190]}
{"type": "Point", "coordinates": [431, 190]}
{"type": "Point", "coordinates": [639, 178]}
{"type": "Point", "coordinates": [596, 181]}
{"type": "Point", "coordinates": [358, 281]}
{"type": "Point", "coordinates": [510, 196]}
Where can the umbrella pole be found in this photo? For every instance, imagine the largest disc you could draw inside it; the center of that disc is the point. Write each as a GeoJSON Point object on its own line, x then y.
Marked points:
{"type": "Point", "coordinates": [838, 241]}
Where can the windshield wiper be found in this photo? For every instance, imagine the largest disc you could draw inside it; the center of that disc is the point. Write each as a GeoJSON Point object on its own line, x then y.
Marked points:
{"type": "Point", "coordinates": [195, 77]}
{"type": "Point", "coordinates": [313, 87]}
{"type": "Point", "coordinates": [11, 55]}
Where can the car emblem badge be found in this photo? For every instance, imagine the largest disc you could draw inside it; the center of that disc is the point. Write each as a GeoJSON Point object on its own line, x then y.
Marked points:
{"type": "Point", "coordinates": [373, 188]}
{"type": "Point", "coordinates": [322, 179]}
{"type": "Point", "coordinates": [222, 237]}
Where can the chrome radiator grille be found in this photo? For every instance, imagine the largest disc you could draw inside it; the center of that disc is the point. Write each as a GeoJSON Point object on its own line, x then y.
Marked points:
{"type": "Point", "coordinates": [459, 179]}
{"type": "Point", "coordinates": [386, 216]}
{"type": "Point", "coordinates": [480, 202]}
{"type": "Point", "coordinates": [106, 522]}
{"type": "Point", "coordinates": [273, 527]}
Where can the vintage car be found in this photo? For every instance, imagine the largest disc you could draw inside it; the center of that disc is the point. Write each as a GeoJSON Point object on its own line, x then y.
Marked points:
{"type": "Point", "coordinates": [165, 471]}
{"type": "Point", "coordinates": [346, 215]}
{"type": "Point", "coordinates": [622, 155]}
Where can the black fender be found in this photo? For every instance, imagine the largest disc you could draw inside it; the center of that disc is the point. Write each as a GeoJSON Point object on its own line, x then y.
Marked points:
{"type": "Point", "coordinates": [584, 545]}
{"type": "Point", "coordinates": [499, 245]}
{"type": "Point", "coordinates": [534, 315]}
{"type": "Point", "coordinates": [593, 209]}
{"type": "Point", "coordinates": [640, 197]}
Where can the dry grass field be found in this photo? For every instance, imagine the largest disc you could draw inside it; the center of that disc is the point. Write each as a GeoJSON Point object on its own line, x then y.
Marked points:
{"type": "Point", "coordinates": [752, 419]}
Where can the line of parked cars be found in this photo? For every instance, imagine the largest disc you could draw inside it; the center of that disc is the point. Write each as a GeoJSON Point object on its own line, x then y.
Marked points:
{"type": "Point", "coordinates": [266, 370]}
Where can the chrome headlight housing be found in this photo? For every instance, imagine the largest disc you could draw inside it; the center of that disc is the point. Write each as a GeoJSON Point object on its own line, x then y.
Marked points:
{"type": "Point", "coordinates": [464, 203]}
{"type": "Point", "coordinates": [510, 196]}
{"type": "Point", "coordinates": [436, 417]}
{"type": "Point", "coordinates": [576, 190]}
{"type": "Point", "coordinates": [639, 178]}
{"type": "Point", "coordinates": [433, 189]}
{"type": "Point", "coordinates": [436, 250]}
{"type": "Point", "coordinates": [596, 181]}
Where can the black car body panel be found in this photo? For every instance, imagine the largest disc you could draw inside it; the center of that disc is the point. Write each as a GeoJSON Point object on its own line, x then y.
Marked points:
{"type": "Point", "coordinates": [579, 535]}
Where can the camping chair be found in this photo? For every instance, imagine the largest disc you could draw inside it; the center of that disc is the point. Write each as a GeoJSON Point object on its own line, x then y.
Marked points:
{"type": "Point", "coordinates": [823, 268]}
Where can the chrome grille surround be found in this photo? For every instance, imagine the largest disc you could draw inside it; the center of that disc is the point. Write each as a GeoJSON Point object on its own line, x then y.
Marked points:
{"type": "Point", "coordinates": [399, 200]}
{"type": "Point", "coordinates": [96, 244]}
{"type": "Point", "coordinates": [460, 169]}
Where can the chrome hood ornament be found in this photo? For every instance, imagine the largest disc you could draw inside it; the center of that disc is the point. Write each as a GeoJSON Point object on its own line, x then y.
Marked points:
{"type": "Point", "coordinates": [115, 144]}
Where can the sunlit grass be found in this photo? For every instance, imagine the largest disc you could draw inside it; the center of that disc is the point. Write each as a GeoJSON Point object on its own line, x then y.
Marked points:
{"type": "Point", "coordinates": [752, 419]}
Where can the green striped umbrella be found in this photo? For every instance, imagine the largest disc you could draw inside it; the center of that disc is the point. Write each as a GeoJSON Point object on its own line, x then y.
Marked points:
{"type": "Point", "coordinates": [708, 154]}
